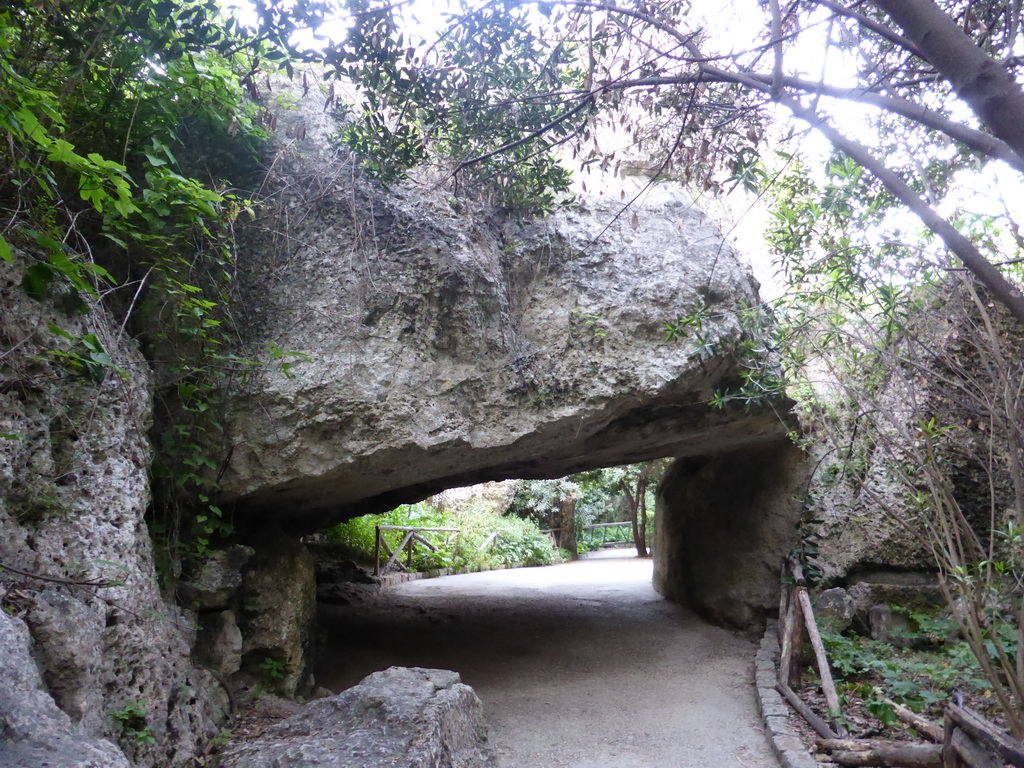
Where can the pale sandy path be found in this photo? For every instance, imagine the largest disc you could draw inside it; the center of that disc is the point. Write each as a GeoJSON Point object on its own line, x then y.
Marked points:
{"type": "Point", "coordinates": [578, 666]}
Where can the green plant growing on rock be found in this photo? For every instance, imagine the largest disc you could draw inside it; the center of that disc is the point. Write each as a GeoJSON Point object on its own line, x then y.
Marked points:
{"type": "Point", "coordinates": [273, 668]}
{"type": "Point", "coordinates": [128, 127]}
{"type": "Point", "coordinates": [132, 723]}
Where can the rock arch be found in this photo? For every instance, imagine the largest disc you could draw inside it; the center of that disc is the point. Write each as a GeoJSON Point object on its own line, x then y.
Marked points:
{"type": "Point", "coordinates": [447, 345]}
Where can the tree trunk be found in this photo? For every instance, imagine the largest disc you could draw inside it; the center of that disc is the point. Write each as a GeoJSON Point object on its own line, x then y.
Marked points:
{"type": "Point", "coordinates": [567, 526]}
{"type": "Point", "coordinates": [641, 493]}
{"type": "Point", "coordinates": [985, 84]}
{"type": "Point", "coordinates": [633, 501]}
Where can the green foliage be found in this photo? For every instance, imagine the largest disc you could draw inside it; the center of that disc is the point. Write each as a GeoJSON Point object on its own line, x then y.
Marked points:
{"type": "Point", "coordinates": [756, 350]}
{"type": "Point", "coordinates": [273, 668]}
{"type": "Point", "coordinates": [126, 126]}
{"type": "Point", "coordinates": [132, 724]}
{"type": "Point", "coordinates": [517, 542]}
{"type": "Point", "coordinates": [481, 102]}
{"type": "Point", "coordinates": [916, 678]}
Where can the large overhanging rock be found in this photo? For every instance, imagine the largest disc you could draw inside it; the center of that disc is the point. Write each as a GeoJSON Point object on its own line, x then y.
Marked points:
{"type": "Point", "coordinates": [447, 347]}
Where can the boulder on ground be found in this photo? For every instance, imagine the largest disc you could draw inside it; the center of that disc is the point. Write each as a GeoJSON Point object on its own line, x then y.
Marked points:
{"type": "Point", "coordinates": [408, 717]}
{"type": "Point", "coordinates": [835, 609]}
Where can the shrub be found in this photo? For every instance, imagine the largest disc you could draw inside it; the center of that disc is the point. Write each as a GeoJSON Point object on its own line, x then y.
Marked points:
{"type": "Point", "coordinates": [518, 542]}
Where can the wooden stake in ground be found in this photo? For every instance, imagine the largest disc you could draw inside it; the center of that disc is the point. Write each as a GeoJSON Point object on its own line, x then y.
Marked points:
{"type": "Point", "coordinates": [792, 640]}
{"type": "Point", "coordinates": [828, 687]}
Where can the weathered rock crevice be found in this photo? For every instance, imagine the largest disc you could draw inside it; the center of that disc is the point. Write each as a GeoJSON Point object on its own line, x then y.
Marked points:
{"type": "Point", "coordinates": [74, 488]}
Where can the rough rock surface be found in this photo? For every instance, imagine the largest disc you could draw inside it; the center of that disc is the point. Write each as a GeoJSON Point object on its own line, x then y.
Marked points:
{"type": "Point", "coordinates": [835, 609]}
{"type": "Point", "coordinates": [218, 578]}
{"type": "Point", "coordinates": [277, 616]}
{"type": "Point", "coordinates": [449, 346]}
{"type": "Point", "coordinates": [724, 525]}
{"type": "Point", "coordinates": [408, 717]}
{"type": "Point", "coordinates": [34, 732]}
{"type": "Point", "coordinates": [74, 460]}
{"type": "Point", "coordinates": [856, 534]}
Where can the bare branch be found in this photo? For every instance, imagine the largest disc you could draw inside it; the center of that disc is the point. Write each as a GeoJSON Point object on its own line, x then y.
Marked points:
{"type": "Point", "coordinates": [874, 26]}
{"type": "Point", "coordinates": [990, 277]}
{"type": "Point", "coordinates": [776, 48]}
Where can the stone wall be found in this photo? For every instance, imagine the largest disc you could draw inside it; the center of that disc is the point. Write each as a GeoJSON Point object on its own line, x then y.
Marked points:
{"type": "Point", "coordinates": [724, 524]}
{"type": "Point", "coordinates": [74, 467]}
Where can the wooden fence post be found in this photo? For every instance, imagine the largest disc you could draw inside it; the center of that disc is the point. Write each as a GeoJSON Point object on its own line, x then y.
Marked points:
{"type": "Point", "coordinates": [376, 551]}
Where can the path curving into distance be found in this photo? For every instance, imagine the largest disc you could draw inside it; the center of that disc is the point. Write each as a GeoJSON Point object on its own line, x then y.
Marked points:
{"type": "Point", "coordinates": [581, 665]}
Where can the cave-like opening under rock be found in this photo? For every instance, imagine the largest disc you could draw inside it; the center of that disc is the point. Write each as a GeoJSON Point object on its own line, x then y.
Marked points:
{"type": "Point", "coordinates": [579, 664]}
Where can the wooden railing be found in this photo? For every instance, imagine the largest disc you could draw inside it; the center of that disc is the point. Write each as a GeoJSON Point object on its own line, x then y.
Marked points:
{"type": "Point", "coordinates": [413, 536]}
{"type": "Point", "coordinates": [605, 527]}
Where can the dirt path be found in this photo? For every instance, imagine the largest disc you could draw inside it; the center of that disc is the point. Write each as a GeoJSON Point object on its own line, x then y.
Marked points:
{"type": "Point", "coordinates": [578, 666]}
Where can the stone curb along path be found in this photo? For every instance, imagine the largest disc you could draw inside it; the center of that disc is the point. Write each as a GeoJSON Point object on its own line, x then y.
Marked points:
{"type": "Point", "coordinates": [784, 740]}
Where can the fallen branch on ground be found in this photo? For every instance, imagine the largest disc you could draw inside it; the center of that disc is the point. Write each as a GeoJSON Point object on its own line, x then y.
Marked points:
{"type": "Point", "coordinates": [882, 753]}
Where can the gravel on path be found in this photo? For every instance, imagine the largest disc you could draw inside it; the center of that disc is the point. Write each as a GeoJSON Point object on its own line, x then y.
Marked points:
{"type": "Point", "coordinates": [581, 665]}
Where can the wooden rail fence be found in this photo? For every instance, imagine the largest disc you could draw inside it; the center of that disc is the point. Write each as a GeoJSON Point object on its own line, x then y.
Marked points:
{"type": "Point", "coordinates": [413, 536]}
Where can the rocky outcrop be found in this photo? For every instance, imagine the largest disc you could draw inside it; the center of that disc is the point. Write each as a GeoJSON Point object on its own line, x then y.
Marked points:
{"type": "Point", "coordinates": [34, 732]}
{"type": "Point", "coordinates": [256, 610]}
{"type": "Point", "coordinates": [278, 599]}
{"type": "Point", "coordinates": [409, 717]}
{"type": "Point", "coordinates": [724, 525]}
{"type": "Point", "coordinates": [447, 346]}
{"type": "Point", "coordinates": [74, 462]}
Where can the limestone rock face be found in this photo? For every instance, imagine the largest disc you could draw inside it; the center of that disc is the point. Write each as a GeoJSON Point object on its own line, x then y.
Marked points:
{"type": "Point", "coordinates": [74, 461]}
{"type": "Point", "coordinates": [724, 525]}
{"type": "Point", "coordinates": [34, 732]}
{"type": "Point", "coordinates": [219, 576]}
{"type": "Point", "coordinates": [409, 717]}
{"type": "Point", "coordinates": [448, 346]}
{"type": "Point", "coordinates": [278, 609]}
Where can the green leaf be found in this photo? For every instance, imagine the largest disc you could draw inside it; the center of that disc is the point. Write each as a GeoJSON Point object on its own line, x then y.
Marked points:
{"type": "Point", "coordinates": [45, 240]}
{"type": "Point", "coordinates": [5, 251]}
{"type": "Point", "coordinates": [62, 151]}
{"type": "Point", "coordinates": [37, 281]}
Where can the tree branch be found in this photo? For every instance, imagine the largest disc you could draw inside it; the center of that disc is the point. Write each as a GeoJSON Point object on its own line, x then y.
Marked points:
{"type": "Point", "coordinates": [979, 141]}
{"type": "Point", "coordinates": [984, 83]}
{"type": "Point", "coordinates": [586, 101]}
{"type": "Point", "coordinates": [874, 26]}
{"type": "Point", "coordinates": [776, 48]}
{"type": "Point", "coordinates": [1008, 294]}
